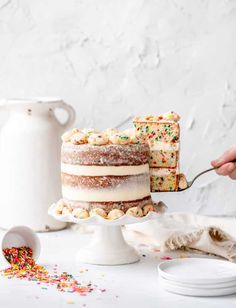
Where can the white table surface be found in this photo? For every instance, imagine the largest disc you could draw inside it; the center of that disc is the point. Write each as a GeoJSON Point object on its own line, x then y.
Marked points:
{"type": "Point", "coordinates": [135, 285]}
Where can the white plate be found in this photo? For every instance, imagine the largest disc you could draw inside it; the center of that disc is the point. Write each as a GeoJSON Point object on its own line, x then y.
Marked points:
{"type": "Point", "coordinates": [198, 292]}
{"type": "Point", "coordinates": [198, 270]}
{"type": "Point", "coordinates": [199, 285]}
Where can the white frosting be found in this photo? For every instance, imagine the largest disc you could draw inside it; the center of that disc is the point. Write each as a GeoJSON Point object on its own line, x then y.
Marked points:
{"type": "Point", "coordinates": [80, 213]}
{"type": "Point", "coordinates": [115, 214]}
{"type": "Point", "coordinates": [125, 193]}
{"type": "Point", "coordinates": [129, 131]}
{"type": "Point", "coordinates": [97, 139]}
{"type": "Point", "coordinates": [164, 146]}
{"type": "Point", "coordinates": [119, 138]}
{"type": "Point", "coordinates": [89, 131]}
{"type": "Point", "coordinates": [98, 211]}
{"type": "Point", "coordinates": [163, 171]}
{"type": "Point", "coordinates": [135, 211]}
{"type": "Point", "coordinates": [67, 135]}
{"type": "Point", "coordinates": [79, 138]}
{"type": "Point", "coordinates": [103, 170]}
{"type": "Point", "coordinates": [110, 131]}
{"type": "Point", "coordinates": [170, 116]}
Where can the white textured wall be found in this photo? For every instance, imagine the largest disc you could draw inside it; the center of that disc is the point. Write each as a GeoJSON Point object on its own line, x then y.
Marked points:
{"type": "Point", "coordinates": [112, 59]}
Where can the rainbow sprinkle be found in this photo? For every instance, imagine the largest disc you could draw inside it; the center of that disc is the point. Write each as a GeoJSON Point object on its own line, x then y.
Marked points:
{"type": "Point", "coordinates": [24, 267]}
{"type": "Point", "coordinates": [166, 258]}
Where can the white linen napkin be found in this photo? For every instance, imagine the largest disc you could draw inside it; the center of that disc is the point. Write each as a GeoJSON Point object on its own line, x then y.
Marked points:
{"type": "Point", "coordinates": [215, 235]}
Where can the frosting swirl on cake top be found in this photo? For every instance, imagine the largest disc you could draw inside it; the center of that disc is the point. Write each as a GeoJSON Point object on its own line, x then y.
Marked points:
{"type": "Point", "coordinates": [93, 137]}
{"type": "Point", "coordinates": [168, 116]}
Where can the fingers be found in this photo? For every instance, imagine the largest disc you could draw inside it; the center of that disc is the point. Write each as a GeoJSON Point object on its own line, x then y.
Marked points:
{"type": "Point", "coordinates": [225, 158]}
{"type": "Point", "coordinates": [233, 175]}
{"type": "Point", "coordinates": [224, 165]}
{"type": "Point", "coordinates": [227, 169]}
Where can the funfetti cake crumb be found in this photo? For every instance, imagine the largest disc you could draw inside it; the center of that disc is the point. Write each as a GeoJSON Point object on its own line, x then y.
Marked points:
{"type": "Point", "coordinates": [162, 133]}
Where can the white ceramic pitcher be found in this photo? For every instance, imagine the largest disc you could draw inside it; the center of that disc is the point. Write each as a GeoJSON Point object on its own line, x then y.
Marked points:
{"type": "Point", "coordinates": [30, 162]}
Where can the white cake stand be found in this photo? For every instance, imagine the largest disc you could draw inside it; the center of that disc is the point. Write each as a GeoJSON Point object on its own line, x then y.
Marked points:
{"type": "Point", "coordinates": [108, 246]}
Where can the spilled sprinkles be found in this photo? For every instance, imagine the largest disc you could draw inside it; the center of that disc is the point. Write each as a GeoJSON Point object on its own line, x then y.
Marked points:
{"type": "Point", "coordinates": [166, 258]}
{"type": "Point", "coordinates": [24, 267]}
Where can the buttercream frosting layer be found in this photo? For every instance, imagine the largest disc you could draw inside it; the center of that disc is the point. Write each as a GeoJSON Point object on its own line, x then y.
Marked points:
{"type": "Point", "coordinates": [118, 194]}
{"type": "Point", "coordinates": [83, 170]}
{"type": "Point", "coordinates": [164, 146]}
{"type": "Point", "coordinates": [164, 171]}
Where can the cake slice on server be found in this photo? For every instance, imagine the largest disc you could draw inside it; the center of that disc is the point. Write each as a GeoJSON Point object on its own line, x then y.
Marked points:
{"type": "Point", "coordinates": [162, 133]}
{"type": "Point", "coordinates": [164, 179]}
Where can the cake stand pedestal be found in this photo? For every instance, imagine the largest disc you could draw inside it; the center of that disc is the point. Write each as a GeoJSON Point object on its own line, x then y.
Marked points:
{"type": "Point", "coordinates": [107, 246]}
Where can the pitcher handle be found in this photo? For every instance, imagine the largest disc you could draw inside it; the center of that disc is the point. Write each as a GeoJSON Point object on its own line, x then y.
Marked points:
{"type": "Point", "coordinates": [69, 109]}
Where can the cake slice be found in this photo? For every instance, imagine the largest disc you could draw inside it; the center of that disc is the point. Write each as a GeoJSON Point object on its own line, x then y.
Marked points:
{"type": "Point", "coordinates": [164, 179]}
{"type": "Point", "coordinates": [163, 158]}
{"type": "Point", "coordinates": [162, 133]}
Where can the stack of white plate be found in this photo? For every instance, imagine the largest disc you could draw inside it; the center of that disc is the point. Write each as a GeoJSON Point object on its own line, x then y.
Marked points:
{"type": "Point", "coordinates": [198, 277]}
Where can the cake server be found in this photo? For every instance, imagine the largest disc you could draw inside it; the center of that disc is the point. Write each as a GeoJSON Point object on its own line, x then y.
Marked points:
{"type": "Point", "coordinates": [190, 183]}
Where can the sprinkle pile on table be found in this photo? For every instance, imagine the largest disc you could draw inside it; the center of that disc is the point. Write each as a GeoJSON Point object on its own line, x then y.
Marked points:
{"type": "Point", "coordinates": [24, 267]}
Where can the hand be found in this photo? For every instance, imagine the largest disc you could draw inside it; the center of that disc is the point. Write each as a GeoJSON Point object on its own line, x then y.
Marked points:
{"type": "Point", "coordinates": [224, 164]}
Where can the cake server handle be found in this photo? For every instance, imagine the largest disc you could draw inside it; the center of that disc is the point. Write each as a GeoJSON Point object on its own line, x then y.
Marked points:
{"type": "Point", "coordinates": [190, 183]}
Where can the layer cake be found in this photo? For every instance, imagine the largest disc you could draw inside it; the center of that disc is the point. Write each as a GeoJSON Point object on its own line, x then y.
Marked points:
{"type": "Point", "coordinates": [104, 173]}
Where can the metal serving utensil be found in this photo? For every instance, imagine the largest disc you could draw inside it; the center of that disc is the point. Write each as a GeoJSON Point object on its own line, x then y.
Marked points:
{"type": "Point", "coordinates": [190, 183]}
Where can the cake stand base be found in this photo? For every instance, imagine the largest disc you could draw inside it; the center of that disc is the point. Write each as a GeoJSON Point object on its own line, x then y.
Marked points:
{"type": "Point", "coordinates": [107, 247]}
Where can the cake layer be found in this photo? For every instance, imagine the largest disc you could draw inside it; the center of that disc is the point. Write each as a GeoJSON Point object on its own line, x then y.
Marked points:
{"type": "Point", "coordinates": [106, 155]}
{"type": "Point", "coordinates": [103, 170]}
{"type": "Point", "coordinates": [108, 206]}
{"type": "Point", "coordinates": [166, 183]}
{"type": "Point", "coordinates": [97, 182]}
{"type": "Point", "coordinates": [105, 188]}
{"type": "Point", "coordinates": [164, 179]}
{"type": "Point", "coordinates": [164, 171]}
{"type": "Point", "coordinates": [160, 131]}
{"type": "Point", "coordinates": [163, 146]}
{"type": "Point", "coordinates": [167, 159]}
